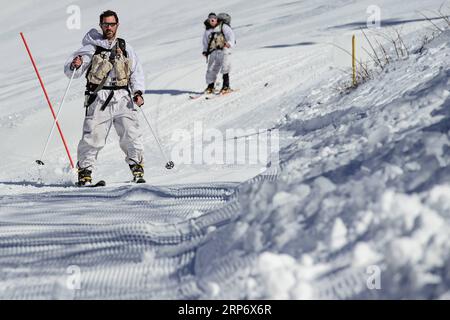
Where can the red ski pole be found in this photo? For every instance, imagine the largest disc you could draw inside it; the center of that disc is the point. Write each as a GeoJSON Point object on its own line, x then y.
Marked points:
{"type": "Point", "coordinates": [48, 100]}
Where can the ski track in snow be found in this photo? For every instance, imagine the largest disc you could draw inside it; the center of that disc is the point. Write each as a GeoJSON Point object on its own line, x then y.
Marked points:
{"type": "Point", "coordinates": [148, 251]}
{"type": "Point", "coordinates": [362, 178]}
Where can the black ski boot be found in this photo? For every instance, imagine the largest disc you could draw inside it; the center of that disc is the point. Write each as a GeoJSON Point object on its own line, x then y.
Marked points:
{"type": "Point", "coordinates": [209, 89]}
{"type": "Point", "coordinates": [226, 84]}
{"type": "Point", "coordinates": [84, 177]}
{"type": "Point", "coordinates": [138, 172]}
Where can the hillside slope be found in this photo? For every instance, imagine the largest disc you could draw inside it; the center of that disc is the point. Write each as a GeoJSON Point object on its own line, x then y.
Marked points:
{"type": "Point", "coordinates": [360, 184]}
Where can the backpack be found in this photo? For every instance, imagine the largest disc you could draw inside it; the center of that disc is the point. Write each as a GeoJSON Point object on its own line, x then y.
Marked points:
{"type": "Point", "coordinates": [224, 18]}
{"type": "Point", "coordinates": [121, 44]}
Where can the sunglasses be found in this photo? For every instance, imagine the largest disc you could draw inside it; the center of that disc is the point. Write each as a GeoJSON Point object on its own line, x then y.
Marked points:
{"type": "Point", "coordinates": [108, 24]}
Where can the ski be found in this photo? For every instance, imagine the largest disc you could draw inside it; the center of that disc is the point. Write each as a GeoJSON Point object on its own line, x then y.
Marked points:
{"type": "Point", "coordinates": [198, 96]}
{"type": "Point", "coordinates": [210, 96]}
{"type": "Point", "coordinates": [100, 183]}
{"type": "Point", "coordinates": [217, 95]}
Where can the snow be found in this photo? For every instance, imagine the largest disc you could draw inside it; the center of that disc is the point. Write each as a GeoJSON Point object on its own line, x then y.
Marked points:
{"type": "Point", "coordinates": [338, 236]}
{"type": "Point", "coordinates": [357, 195]}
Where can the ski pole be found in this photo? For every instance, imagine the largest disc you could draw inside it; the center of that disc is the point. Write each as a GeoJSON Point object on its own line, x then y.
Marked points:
{"type": "Point", "coordinates": [40, 162]}
{"type": "Point", "coordinates": [169, 164]}
{"type": "Point", "coordinates": [48, 99]}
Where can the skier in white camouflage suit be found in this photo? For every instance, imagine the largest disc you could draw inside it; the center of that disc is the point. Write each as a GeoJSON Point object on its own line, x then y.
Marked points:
{"type": "Point", "coordinates": [218, 40]}
{"type": "Point", "coordinates": [115, 79]}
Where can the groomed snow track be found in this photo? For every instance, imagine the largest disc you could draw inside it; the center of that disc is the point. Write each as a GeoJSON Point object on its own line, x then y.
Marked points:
{"type": "Point", "coordinates": [133, 242]}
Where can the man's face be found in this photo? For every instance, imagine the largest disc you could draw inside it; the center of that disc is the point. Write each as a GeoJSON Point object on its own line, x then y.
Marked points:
{"type": "Point", "coordinates": [213, 22]}
{"type": "Point", "coordinates": [109, 27]}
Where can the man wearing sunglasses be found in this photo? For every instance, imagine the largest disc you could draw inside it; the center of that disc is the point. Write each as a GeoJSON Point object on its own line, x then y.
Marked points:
{"type": "Point", "coordinates": [114, 90]}
{"type": "Point", "coordinates": [218, 40]}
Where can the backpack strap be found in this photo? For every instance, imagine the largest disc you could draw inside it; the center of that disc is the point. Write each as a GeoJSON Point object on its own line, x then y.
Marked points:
{"type": "Point", "coordinates": [123, 46]}
{"type": "Point", "coordinates": [211, 39]}
{"type": "Point", "coordinates": [120, 43]}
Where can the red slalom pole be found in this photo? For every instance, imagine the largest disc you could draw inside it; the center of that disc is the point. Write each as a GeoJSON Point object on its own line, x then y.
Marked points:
{"type": "Point", "coordinates": [48, 100]}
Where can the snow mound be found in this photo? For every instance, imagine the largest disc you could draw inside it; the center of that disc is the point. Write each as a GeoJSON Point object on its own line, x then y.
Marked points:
{"type": "Point", "coordinates": [361, 208]}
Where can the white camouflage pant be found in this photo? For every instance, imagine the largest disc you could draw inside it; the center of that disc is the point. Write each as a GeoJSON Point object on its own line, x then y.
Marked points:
{"type": "Point", "coordinates": [219, 61]}
{"type": "Point", "coordinates": [121, 113]}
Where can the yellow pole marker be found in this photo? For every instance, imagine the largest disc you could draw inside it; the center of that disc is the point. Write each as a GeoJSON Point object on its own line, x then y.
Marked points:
{"type": "Point", "coordinates": [354, 60]}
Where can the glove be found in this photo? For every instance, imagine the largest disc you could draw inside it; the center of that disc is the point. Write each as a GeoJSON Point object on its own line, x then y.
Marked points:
{"type": "Point", "coordinates": [138, 99]}
{"type": "Point", "coordinates": [76, 63]}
